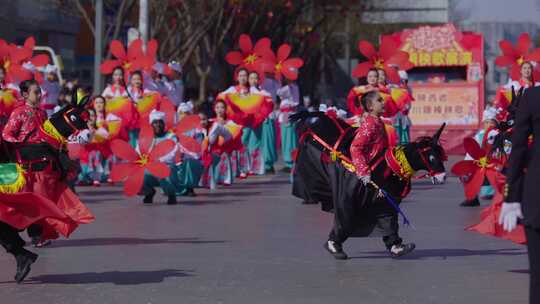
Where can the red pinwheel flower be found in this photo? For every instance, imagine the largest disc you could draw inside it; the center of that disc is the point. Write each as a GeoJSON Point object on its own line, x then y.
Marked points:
{"type": "Point", "coordinates": [514, 57]}
{"type": "Point", "coordinates": [34, 64]}
{"type": "Point", "coordinates": [387, 58]}
{"type": "Point", "coordinates": [251, 57]}
{"type": "Point", "coordinates": [477, 169]}
{"type": "Point", "coordinates": [130, 61]}
{"type": "Point", "coordinates": [282, 65]}
{"type": "Point", "coordinates": [12, 58]}
{"type": "Point", "coordinates": [149, 57]}
{"type": "Point", "coordinates": [137, 163]}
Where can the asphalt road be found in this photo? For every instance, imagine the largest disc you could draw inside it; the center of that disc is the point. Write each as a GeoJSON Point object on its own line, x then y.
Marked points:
{"type": "Point", "coordinates": [255, 243]}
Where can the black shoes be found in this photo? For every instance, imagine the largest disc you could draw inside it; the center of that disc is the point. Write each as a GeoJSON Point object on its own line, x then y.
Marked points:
{"type": "Point", "coordinates": [171, 200]}
{"type": "Point", "coordinates": [286, 170]}
{"type": "Point", "coordinates": [149, 198]}
{"type": "Point", "coordinates": [305, 202]}
{"type": "Point", "coordinates": [336, 250]}
{"type": "Point", "coordinates": [472, 203]}
{"type": "Point", "coordinates": [402, 249]}
{"type": "Point", "coordinates": [24, 260]}
{"type": "Point", "coordinates": [270, 170]}
{"type": "Point", "coordinates": [190, 192]}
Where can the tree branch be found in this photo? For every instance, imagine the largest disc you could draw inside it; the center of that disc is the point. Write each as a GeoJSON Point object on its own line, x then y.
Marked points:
{"type": "Point", "coordinates": [85, 16]}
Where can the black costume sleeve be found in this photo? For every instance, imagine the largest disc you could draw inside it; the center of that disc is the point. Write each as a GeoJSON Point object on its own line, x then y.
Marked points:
{"type": "Point", "coordinates": [520, 148]}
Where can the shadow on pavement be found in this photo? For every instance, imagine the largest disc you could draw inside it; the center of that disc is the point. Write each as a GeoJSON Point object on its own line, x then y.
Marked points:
{"type": "Point", "coordinates": [210, 201]}
{"type": "Point", "coordinates": [231, 193]}
{"type": "Point", "coordinates": [266, 183]}
{"type": "Point", "coordinates": [522, 271]}
{"type": "Point", "coordinates": [443, 253]}
{"type": "Point", "coordinates": [87, 200]}
{"type": "Point", "coordinates": [128, 241]}
{"type": "Point", "coordinates": [100, 192]}
{"type": "Point", "coordinates": [114, 277]}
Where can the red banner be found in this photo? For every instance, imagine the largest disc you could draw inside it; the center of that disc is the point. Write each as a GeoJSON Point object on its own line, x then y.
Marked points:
{"type": "Point", "coordinates": [458, 103]}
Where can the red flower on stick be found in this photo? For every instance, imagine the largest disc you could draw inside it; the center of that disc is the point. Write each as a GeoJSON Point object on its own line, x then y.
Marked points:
{"type": "Point", "coordinates": [137, 163]}
{"type": "Point", "coordinates": [282, 65]}
{"type": "Point", "coordinates": [251, 57]}
{"type": "Point", "coordinates": [149, 57]}
{"type": "Point", "coordinates": [514, 57]}
{"type": "Point", "coordinates": [477, 169]}
{"type": "Point", "coordinates": [387, 58]}
{"type": "Point", "coordinates": [130, 61]}
{"type": "Point", "coordinates": [12, 58]}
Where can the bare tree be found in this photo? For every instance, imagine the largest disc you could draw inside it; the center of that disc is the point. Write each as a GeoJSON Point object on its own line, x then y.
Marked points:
{"type": "Point", "coordinates": [192, 33]}
{"type": "Point", "coordinates": [86, 10]}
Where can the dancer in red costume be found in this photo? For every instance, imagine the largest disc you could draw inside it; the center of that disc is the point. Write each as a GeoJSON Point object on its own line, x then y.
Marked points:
{"type": "Point", "coordinates": [369, 142]}
{"type": "Point", "coordinates": [37, 198]}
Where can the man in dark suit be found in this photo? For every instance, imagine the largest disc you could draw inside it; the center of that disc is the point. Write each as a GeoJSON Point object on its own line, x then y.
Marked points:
{"type": "Point", "coordinates": [522, 191]}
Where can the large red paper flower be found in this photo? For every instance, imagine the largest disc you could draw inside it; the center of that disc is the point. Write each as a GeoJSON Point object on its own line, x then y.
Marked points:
{"type": "Point", "coordinates": [137, 163]}
{"type": "Point", "coordinates": [282, 65]}
{"type": "Point", "coordinates": [477, 169]}
{"type": "Point", "coordinates": [130, 61]}
{"type": "Point", "coordinates": [514, 57]}
{"type": "Point", "coordinates": [34, 64]}
{"type": "Point", "coordinates": [251, 57]}
{"type": "Point", "coordinates": [387, 58]}
{"type": "Point", "coordinates": [12, 58]}
{"type": "Point", "coordinates": [155, 101]}
{"type": "Point", "coordinates": [249, 111]}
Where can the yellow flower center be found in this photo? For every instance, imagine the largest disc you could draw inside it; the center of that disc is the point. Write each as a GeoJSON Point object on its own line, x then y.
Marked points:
{"type": "Point", "coordinates": [379, 63]}
{"type": "Point", "coordinates": [520, 60]}
{"type": "Point", "coordinates": [483, 162]}
{"type": "Point", "coordinates": [127, 65]}
{"type": "Point", "coordinates": [278, 67]}
{"type": "Point", "coordinates": [250, 59]}
{"type": "Point", "coordinates": [143, 160]}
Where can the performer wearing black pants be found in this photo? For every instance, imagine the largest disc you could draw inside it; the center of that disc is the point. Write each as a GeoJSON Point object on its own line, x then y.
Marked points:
{"type": "Point", "coordinates": [14, 244]}
{"type": "Point", "coordinates": [522, 192]}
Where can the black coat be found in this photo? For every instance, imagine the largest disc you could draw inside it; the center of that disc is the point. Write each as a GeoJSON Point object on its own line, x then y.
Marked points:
{"type": "Point", "coordinates": [523, 175]}
{"type": "Point", "coordinates": [355, 207]}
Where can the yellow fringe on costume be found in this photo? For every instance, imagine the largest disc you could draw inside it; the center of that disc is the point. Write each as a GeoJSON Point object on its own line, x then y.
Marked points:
{"type": "Point", "coordinates": [17, 185]}
{"type": "Point", "coordinates": [51, 131]}
{"type": "Point", "coordinates": [399, 154]}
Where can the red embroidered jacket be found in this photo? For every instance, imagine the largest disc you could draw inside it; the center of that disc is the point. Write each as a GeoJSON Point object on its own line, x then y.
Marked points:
{"type": "Point", "coordinates": [24, 124]}
{"type": "Point", "coordinates": [370, 140]}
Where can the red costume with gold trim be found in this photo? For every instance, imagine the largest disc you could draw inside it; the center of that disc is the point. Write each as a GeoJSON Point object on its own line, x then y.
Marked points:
{"type": "Point", "coordinates": [25, 126]}
{"type": "Point", "coordinates": [369, 142]}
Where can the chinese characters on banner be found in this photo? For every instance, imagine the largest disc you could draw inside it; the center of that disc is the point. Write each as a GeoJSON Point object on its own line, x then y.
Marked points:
{"type": "Point", "coordinates": [440, 58]}
{"type": "Point", "coordinates": [435, 104]}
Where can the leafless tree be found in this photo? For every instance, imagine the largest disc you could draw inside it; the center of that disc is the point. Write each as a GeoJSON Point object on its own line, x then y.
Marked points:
{"type": "Point", "coordinates": [86, 10]}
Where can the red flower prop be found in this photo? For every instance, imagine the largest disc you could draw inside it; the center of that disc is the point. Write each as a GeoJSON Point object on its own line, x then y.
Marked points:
{"type": "Point", "coordinates": [251, 57]}
{"type": "Point", "coordinates": [394, 102]}
{"type": "Point", "coordinates": [188, 123]}
{"type": "Point", "coordinates": [34, 64]}
{"type": "Point", "coordinates": [475, 170]}
{"type": "Point", "coordinates": [137, 163]}
{"type": "Point", "coordinates": [12, 58]}
{"type": "Point", "coordinates": [387, 58]}
{"type": "Point", "coordinates": [130, 61]}
{"type": "Point", "coordinates": [249, 111]}
{"type": "Point", "coordinates": [514, 57]}
{"type": "Point", "coordinates": [282, 65]}
{"type": "Point", "coordinates": [149, 57]}
{"type": "Point", "coordinates": [156, 101]}
{"type": "Point", "coordinates": [124, 108]}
